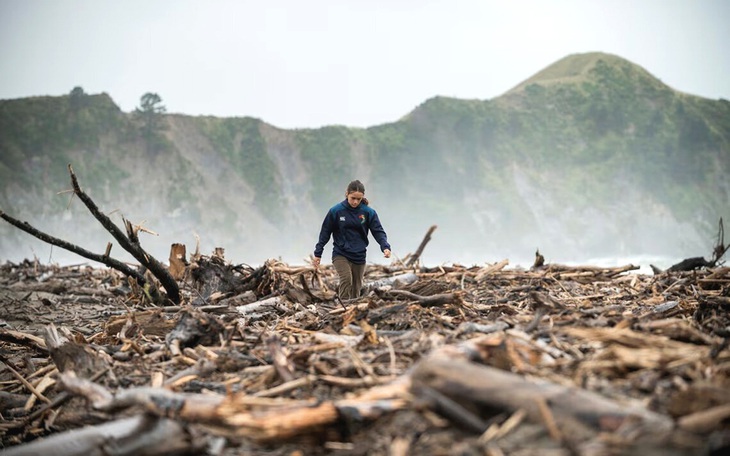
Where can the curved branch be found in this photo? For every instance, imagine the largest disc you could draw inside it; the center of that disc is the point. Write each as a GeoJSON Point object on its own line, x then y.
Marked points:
{"type": "Point", "coordinates": [155, 267]}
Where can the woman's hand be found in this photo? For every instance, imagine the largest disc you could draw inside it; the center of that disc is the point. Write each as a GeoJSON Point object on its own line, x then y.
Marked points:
{"type": "Point", "coordinates": [316, 261]}
{"type": "Point", "coordinates": [386, 253]}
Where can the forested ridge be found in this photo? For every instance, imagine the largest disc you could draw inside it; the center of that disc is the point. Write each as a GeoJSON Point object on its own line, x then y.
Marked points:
{"type": "Point", "coordinates": [591, 157]}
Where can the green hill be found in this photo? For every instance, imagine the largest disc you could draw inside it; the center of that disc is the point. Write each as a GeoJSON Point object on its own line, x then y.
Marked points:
{"type": "Point", "coordinates": [591, 157]}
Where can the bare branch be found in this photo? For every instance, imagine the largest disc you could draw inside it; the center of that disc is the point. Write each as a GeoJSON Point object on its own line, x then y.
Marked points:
{"type": "Point", "coordinates": [416, 256]}
{"type": "Point", "coordinates": [104, 259]}
{"type": "Point", "coordinates": [131, 244]}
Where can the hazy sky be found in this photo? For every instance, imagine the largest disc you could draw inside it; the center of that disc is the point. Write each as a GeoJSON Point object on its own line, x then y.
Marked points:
{"type": "Point", "coordinates": [310, 63]}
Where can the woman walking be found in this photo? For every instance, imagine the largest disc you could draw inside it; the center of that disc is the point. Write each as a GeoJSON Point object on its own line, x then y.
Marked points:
{"type": "Point", "coordinates": [349, 222]}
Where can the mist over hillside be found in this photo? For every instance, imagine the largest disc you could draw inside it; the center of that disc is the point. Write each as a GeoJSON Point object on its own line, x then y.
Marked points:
{"type": "Point", "coordinates": [591, 160]}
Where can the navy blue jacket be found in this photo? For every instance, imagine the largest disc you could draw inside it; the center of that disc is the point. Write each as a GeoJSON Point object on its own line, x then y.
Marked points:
{"type": "Point", "coordinates": [349, 228]}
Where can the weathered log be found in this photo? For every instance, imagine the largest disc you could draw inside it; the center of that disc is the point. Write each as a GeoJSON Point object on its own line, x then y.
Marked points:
{"type": "Point", "coordinates": [275, 302]}
{"type": "Point", "coordinates": [238, 414]}
{"type": "Point", "coordinates": [577, 412]}
{"type": "Point", "coordinates": [429, 301]}
{"type": "Point", "coordinates": [141, 435]}
{"type": "Point", "coordinates": [400, 279]}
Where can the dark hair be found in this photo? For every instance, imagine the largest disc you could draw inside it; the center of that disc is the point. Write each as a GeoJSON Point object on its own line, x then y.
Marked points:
{"type": "Point", "coordinates": [357, 186]}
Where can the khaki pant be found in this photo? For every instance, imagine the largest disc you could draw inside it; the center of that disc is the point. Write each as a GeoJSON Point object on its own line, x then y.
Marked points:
{"type": "Point", "coordinates": [351, 276]}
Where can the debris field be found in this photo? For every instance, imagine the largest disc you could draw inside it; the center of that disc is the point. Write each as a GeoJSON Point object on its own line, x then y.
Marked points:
{"type": "Point", "coordinates": [480, 360]}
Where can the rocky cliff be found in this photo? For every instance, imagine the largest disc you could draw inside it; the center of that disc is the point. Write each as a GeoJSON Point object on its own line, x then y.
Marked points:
{"type": "Point", "coordinates": [591, 158]}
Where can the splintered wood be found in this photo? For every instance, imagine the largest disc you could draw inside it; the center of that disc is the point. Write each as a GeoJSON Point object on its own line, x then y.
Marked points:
{"type": "Point", "coordinates": [488, 359]}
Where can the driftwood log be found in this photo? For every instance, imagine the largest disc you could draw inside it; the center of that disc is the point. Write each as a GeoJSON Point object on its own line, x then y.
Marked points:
{"type": "Point", "coordinates": [140, 435]}
{"type": "Point", "coordinates": [570, 413]}
{"type": "Point", "coordinates": [129, 242]}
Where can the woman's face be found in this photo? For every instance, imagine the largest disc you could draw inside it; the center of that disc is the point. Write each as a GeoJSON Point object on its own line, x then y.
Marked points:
{"type": "Point", "coordinates": [354, 198]}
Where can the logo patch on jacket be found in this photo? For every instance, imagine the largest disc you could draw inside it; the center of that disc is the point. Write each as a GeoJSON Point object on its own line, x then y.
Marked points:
{"type": "Point", "coordinates": [362, 218]}
{"type": "Point", "coordinates": [342, 219]}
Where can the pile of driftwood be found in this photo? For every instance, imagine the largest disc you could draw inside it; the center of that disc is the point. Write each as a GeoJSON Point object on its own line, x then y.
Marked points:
{"type": "Point", "coordinates": [479, 360]}
{"type": "Point", "coordinates": [203, 356]}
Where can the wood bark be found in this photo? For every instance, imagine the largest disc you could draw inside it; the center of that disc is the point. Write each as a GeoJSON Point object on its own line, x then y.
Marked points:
{"type": "Point", "coordinates": [429, 301]}
{"type": "Point", "coordinates": [578, 412]}
{"type": "Point", "coordinates": [239, 414]}
{"type": "Point", "coordinates": [402, 279]}
{"type": "Point", "coordinates": [178, 261]}
{"type": "Point", "coordinates": [141, 435]}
